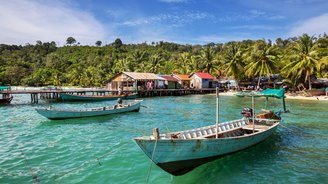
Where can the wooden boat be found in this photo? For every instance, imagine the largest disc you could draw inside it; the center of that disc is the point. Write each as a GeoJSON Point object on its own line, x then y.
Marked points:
{"type": "Point", "coordinates": [6, 97]}
{"type": "Point", "coordinates": [314, 92]}
{"type": "Point", "coordinates": [180, 152]}
{"type": "Point", "coordinates": [102, 111]}
{"type": "Point", "coordinates": [6, 100]}
{"type": "Point", "coordinates": [69, 97]}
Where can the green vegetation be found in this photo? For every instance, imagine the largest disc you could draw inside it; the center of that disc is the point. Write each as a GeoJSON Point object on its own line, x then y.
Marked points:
{"type": "Point", "coordinates": [42, 64]}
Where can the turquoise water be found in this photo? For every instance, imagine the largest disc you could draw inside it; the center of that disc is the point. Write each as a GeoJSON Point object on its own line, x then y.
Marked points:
{"type": "Point", "coordinates": [66, 151]}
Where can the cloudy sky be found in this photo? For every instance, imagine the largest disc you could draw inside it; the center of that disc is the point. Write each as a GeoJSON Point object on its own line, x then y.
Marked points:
{"type": "Point", "coordinates": [180, 21]}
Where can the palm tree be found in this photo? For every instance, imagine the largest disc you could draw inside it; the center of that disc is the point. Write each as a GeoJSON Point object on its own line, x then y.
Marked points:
{"type": "Point", "coordinates": [155, 63]}
{"type": "Point", "coordinates": [183, 63]}
{"type": "Point", "coordinates": [138, 57]}
{"type": "Point", "coordinates": [208, 59]}
{"type": "Point", "coordinates": [303, 58]}
{"type": "Point", "coordinates": [262, 60]}
{"type": "Point", "coordinates": [233, 61]}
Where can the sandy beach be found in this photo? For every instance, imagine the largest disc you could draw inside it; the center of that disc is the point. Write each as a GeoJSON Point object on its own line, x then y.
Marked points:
{"type": "Point", "coordinates": [288, 96]}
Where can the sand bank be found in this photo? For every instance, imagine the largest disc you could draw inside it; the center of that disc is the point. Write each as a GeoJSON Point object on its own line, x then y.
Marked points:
{"type": "Point", "coordinates": [288, 96]}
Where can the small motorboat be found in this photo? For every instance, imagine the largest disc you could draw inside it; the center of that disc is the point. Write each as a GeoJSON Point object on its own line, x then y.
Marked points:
{"type": "Point", "coordinates": [51, 113]}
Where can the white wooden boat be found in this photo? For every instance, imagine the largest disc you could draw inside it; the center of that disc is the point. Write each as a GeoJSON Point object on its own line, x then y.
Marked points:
{"type": "Point", "coordinates": [180, 152]}
{"type": "Point", "coordinates": [70, 97]}
{"type": "Point", "coordinates": [101, 111]}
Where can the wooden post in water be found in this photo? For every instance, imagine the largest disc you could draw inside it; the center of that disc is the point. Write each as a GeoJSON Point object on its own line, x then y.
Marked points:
{"type": "Point", "coordinates": [217, 112]}
{"type": "Point", "coordinates": [253, 107]}
{"type": "Point", "coordinates": [156, 133]}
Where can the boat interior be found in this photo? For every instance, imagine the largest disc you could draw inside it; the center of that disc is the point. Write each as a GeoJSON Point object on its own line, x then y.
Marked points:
{"type": "Point", "coordinates": [240, 127]}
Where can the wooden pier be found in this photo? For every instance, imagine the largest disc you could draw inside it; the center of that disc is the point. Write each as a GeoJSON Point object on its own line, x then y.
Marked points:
{"type": "Point", "coordinates": [54, 94]}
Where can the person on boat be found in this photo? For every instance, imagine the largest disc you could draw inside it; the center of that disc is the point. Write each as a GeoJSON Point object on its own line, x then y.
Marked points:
{"type": "Point", "coordinates": [119, 102]}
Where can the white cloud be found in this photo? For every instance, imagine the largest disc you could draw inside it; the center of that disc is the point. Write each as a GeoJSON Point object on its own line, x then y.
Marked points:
{"type": "Point", "coordinates": [314, 26]}
{"type": "Point", "coordinates": [170, 20]}
{"type": "Point", "coordinates": [255, 27]}
{"type": "Point", "coordinates": [27, 21]}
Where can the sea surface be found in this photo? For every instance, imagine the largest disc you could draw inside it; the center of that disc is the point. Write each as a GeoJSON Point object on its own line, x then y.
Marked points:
{"type": "Point", "coordinates": [101, 150]}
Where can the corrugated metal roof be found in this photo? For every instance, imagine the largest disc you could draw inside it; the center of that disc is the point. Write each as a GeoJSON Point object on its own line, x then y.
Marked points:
{"type": "Point", "coordinates": [203, 75]}
{"type": "Point", "coordinates": [169, 78]}
{"type": "Point", "coordinates": [141, 76]}
{"type": "Point", "coordinates": [183, 76]}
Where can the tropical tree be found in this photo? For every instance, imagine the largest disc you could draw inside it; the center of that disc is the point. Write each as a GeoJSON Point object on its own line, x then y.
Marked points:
{"type": "Point", "coordinates": [183, 63]}
{"type": "Point", "coordinates": [117, 43]}
{"type": "Point", "coordinates": [155, 62]}
{"type": "Point", "coordinates": [302, 58]}
{"type": "Point", "coordinates": [137, 61]}
{"type": "Point", "coordinates": [70, 40]}
{"type": "Point", "coordinates": [262, 60]}
{"type": "Point", "coordinates": [98, 43]}
{"type": "Point", "coordinates": [232, 59]}
{"type": "Point", "coordinates": [207, 57]}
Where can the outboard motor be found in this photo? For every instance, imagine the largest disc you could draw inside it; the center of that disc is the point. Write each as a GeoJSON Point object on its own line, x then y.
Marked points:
{"type": "Point", "coordinates": [247, 112]}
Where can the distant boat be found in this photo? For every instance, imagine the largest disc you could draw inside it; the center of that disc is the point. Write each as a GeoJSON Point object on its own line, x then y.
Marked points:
{"type": "Point", "coordinates": [180, 152]}
{"type": "Point", "coordinates": [6, 97]}
{"type": "Point", "coordinates": [69, 97]}
{"type": "Point", "coordinates": [102, 111]}
{"type": "Point", "coordinates": [6, 100]}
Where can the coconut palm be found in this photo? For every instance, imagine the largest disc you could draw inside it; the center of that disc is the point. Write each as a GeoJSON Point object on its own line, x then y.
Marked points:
{"type": "Point", "coordinates": [302, 58]}
{"type": "Point", "coordinates": [233, 61]}
{"type": "Point", "coordinates": [155, 63]}
{"type": "Point", "coordinates": [262, 60]}
{"type": "Point", "coordinates": [207, 57]}
{"type": "Point", "coordinates": [183, 63]}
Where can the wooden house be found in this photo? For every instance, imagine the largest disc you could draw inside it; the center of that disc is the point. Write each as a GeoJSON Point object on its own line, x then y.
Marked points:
{"type": "Point", "coordinates": [183, 80]}
{"type": "Point", "coordinates": [170, 82]}
{"type": "Point", "coordinates": [133, 81]}
{"type": "Point", "coordinates": [201, 80]}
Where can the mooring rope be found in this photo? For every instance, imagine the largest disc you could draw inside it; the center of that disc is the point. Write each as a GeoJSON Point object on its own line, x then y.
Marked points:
{"type": "Point", "coordinates": [151, 161]}
{"type": "Point", "coordinates": [90, 161]}
{"type": "Point", "coordinates": [34, 176]}
{"type": "Point", "coordinates": [27, 165]}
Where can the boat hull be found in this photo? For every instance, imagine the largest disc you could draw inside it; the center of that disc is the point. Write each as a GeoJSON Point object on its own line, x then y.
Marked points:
{"type": "Point", "coordinates": [6, 100]}
{"type": "Point", "coordinates": [62, 114]}
{"type": "Point", "coordinates": [68, 97]}
{"type": "Point", "coordinates": [178, 157]}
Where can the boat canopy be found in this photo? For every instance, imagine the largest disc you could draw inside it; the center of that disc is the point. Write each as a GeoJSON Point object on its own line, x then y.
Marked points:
{"type": "Point", "coordinates": [276, 93]}
{"type": "Point", "coordinates": [4, 88]}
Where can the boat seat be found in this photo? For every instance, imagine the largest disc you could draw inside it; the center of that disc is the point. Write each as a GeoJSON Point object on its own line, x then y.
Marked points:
{"type": "Point", "coordinates": [220, 132]}
{"type": "Point", "coordinates": [256, 128]}
{"type": "Point", "coordinates": [210, 131]}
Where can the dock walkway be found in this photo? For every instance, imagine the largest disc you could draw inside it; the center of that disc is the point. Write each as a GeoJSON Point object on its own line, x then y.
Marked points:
{"type": "Point", "coordinates": [54, 94]}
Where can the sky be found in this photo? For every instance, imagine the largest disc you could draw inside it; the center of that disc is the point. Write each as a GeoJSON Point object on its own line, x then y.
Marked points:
{"type": "Point", "coordinates": [179, 21]}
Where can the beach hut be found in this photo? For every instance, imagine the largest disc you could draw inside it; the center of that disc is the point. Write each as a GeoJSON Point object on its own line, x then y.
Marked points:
{"type": "Point", "coordinates": [201, 80]}
{"type": "Point", "coordinates": [170, 82]}
{"type": "Point", "coordinates": [160, 82]}
{"type": "Point", "coordinates": [183, 80]}
{"type": "Point", "coordinates": [131, 80]}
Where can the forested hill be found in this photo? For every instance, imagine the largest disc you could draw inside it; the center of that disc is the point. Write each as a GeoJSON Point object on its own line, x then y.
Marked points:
{"type": "Point", "coordinates": [46, 64]}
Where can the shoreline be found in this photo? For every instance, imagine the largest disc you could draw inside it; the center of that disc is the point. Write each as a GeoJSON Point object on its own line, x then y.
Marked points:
{"type": "Point", "coordinates": [228, 93]}
{"type": "Point", "coordinates": [288, 96]}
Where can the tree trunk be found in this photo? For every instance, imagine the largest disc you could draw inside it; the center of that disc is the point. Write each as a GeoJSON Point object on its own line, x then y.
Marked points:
{"type": "Point", "coordinates": [258, 83]}
{"type": "Point", "coordinates": [237, 85]}
{"type": "Point", "coordinates": [309, 77]}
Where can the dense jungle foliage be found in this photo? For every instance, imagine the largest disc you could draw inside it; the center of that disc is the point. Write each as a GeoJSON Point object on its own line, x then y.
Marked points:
{"type": "Point", "coordinates": [296, 59]}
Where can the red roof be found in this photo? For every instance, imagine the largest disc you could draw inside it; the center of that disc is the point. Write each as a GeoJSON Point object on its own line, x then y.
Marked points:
{"type": "Point", "coordinates": [169, 78]}
{"type": "Point", "coordinates": [203, 75]}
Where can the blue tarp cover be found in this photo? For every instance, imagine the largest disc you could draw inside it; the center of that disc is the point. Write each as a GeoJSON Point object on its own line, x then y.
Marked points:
{"type": "Point", "coordinates": [277, 93]}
